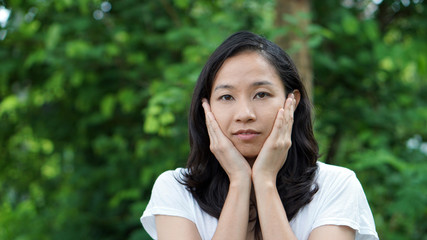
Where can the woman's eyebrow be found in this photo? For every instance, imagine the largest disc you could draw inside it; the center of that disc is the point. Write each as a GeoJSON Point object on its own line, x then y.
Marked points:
{"type": "Point", "coordinates": [223, 86]}
{"type": "Point", "coordinates": [261, 83]}
{"type": "Point", "coordinates": [255, 84]}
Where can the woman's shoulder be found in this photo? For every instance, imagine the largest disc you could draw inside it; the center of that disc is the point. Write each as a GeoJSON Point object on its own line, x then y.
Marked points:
{"type": "Point", "coordinates": [337, 180]}
{"type": "Point", "coordinates": [174, 173]}
{"type": "Point", "coordinates": [328, 168]}
{"type": "Point", "coordinates": [170, 197]}
{"type": "Point", "coordinates": [327, 172]}
{"type": "Point", "coordinates": [169, 189]}
{"type": "Point", "coordinates": [341, 200]}
{"type": "Point", "coordinates": [171, 178]}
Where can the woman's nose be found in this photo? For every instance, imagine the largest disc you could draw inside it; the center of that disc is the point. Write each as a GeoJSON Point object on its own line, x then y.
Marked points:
{"type": "Point", "coordinates": [245, 112]}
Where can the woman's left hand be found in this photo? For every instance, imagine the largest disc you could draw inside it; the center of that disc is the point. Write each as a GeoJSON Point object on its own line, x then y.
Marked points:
{"type": "Point", "coordinates": [275, 149]}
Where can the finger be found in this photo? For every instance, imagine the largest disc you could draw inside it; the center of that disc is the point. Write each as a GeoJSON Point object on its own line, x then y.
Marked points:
{"type": "Point", "coordinates": [290, 108]}
{"type": "Point", "coordinates": [294, 101]}
{"type": "Point", "coordinates": [278, 124]}
{"type": "Point", "coordinates": [289, 115]}
{"type": "Point", "coordinates": [212, 125]}
{"type": "Point", "coordinates": [208, 119]}
{"type": "Point", "coordinates": [209, 125]}
{"type": "Point", "coordinates": [216, 131]}
{"type": "Point", "coordinates": [206, 106]}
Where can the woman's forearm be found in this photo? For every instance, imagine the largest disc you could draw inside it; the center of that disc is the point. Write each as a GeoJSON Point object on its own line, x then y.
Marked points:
{"type": "Point", "coordinates": [271, 213]}
{"type": "Point", "coordinates": [233, 221]}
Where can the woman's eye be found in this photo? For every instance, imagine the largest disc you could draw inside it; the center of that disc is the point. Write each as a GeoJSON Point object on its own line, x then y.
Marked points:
{"type": "Point", "coordinates": [226, 97]}
{"type": "Point", "coordinates": [262, 95]}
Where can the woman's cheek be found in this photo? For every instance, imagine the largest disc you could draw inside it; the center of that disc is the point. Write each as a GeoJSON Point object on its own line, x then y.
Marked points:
{"type": "Point", "coordinates": [221, 118]}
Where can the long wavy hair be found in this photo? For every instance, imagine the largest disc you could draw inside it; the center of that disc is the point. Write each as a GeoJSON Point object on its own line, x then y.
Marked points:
{"type": "Point", "coordinates": [206, 180]}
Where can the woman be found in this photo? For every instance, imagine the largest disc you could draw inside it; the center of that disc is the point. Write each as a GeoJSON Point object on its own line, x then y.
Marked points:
{"type": "Point", "coordinates": [252, 172]}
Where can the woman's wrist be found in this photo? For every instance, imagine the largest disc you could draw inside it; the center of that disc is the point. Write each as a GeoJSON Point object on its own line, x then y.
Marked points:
{"type": "Point", "coordinates": [240, 180]}
{"type": "Point", "coordinates": [264, 179]}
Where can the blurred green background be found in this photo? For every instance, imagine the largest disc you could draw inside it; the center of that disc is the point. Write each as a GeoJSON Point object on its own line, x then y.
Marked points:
{"type": "Point", "coordinates": [94, 99]}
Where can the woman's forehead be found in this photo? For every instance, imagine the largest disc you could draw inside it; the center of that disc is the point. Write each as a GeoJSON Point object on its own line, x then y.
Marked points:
{"type": "Point", "coordinates": [246, 68]}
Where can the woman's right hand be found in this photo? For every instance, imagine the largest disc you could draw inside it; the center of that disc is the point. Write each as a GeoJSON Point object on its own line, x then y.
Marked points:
{"type": "Point", "coordinates": [231, 160]}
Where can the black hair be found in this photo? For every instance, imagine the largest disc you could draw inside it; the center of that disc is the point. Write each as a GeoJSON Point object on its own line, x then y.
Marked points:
{"type": "Point", "coordinates": [206, 180]}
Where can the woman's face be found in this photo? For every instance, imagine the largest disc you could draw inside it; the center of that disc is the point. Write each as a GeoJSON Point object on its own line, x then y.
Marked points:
{"type": "Point", "coordinates": [246, 96]}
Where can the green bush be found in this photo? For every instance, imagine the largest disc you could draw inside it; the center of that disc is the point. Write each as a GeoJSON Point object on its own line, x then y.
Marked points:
{"type": "Point", "coordinates": [94, 99]}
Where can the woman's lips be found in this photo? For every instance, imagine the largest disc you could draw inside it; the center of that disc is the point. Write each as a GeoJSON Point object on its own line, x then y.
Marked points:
{"type": "Point", "coordinates": [246, 135]}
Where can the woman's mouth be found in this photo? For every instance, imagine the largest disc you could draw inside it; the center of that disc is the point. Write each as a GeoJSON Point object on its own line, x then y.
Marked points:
{"type": "Point", "coordinates": [246, 134]}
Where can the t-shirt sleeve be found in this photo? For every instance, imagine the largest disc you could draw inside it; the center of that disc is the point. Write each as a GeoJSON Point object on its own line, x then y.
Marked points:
{"type": "Point", "coordinates": [344, 203]}
{"type": "Point", "coordinates": [168, 197]}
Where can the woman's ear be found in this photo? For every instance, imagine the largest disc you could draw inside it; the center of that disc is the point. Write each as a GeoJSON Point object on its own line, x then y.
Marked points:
{"type": "Point", "coordinates": [297, 95]}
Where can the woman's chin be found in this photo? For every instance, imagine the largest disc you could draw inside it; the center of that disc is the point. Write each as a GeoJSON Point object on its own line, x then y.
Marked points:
{"type": "Point", "coordinates": [250, 158]}
{"type": "Point", "coordinates": [250, 153]}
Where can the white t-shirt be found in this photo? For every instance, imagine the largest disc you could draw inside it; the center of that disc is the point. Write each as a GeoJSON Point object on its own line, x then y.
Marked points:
{"type": "Point", "coordinates": [339, 201]}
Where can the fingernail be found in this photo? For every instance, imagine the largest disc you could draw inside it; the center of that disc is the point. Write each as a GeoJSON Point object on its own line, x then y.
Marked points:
{"type": "Point", "coordinates": [292, 95]}
{"type": "Point", "coordinates": [204, 100]}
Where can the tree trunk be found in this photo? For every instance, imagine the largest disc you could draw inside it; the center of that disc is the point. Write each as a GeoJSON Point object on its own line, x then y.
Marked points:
{"type": "Point", "coordinates": [295, 41]}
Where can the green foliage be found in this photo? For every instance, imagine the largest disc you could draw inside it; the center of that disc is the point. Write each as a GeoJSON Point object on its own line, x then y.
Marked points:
{"type": "Point", "coordinates": [94, 101]}
{"type": "Point", "coordinates": [370, 97]}
{"type": "Point", "coordinates": [92, 111]}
